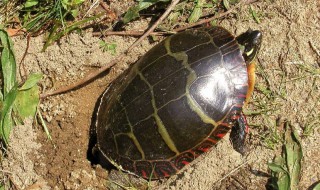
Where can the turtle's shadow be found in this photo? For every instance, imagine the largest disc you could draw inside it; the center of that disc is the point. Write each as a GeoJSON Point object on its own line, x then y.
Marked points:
{"type": "Point", "coordinates": [93, 154]}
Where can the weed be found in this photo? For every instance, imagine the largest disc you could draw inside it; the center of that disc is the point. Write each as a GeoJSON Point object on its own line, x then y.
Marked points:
{"type": "Point", "coordinates": [111, 47]}
{"type": "Point", "coordinates": [17, 103]}
{"type": "Point", "coordinates": [59, 17]}
{"type": "Point", "coordinates": [255, 15]}
{"type": "Point", "coordinates": [227, 3]}
{"type": "Point", "coordinates": [197, 10]}
{"type": "Point", "coordinates": [133, 12]}
{"type": "Point", "coordinates": [286, 168]}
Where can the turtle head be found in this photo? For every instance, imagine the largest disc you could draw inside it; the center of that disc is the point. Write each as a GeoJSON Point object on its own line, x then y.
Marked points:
{"type": "Point", "coordinates": [250, 42]}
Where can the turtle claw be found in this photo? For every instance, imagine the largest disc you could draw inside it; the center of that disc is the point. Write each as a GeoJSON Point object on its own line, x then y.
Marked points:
{"type": "Point", "coordinates": [238, 134]}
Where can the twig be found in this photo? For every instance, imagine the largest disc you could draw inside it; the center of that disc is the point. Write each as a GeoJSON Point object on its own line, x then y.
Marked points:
{"type": "Point", "coordinates": [91, 7]}
{"type": "Point", "coordinates": [129, 33]}
{"type": "Point", "coordinates": [104, 6]}
{"type": "Point", "coordinates": [21, 65]}
{"type": "Point", "coordinates": [110, 14]}
{"type": "Point", "coordinates": [314, 48]}
{"type": "Point", "coordinates": [231, 172]}
{"type": "Point", "coordinates": [85, 80]}
{"type": "Point", "coordinates": [94, 74]}
{"type": "Point", "coordinates": [151, 29]}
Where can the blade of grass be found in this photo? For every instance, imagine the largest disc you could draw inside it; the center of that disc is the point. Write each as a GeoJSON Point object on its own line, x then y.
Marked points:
{"type": "Point", "coordinates": [43, 123]}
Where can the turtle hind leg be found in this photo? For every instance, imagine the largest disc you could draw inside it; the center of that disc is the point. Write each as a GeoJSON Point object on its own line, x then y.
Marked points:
{"type": "Point", "coordinates": [238, 134]}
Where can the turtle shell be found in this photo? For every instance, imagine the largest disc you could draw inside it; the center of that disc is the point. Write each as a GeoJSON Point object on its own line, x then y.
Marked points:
{"type": "Point", "coordinates": [174, 104]}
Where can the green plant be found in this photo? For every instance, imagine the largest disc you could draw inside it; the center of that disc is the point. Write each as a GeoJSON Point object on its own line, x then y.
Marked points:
{"type": "Point", "coordinates": [197, 10]}
{"type": "Point", "coordinates": [255, 15]}
{"type": "Point", "coordinates": [133, 12]}
{"type": "Point", "coordinates": [111, 47]}
{"type": "Point", "coordinates": [16, 103]}
{"type": "Point", "coordinates": [58, 17]}
{"type": "Point", "coordinates": [286, 168]}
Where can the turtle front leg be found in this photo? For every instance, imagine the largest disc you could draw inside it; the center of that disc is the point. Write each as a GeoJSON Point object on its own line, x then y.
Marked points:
{"type": "Point", "coordinates": [241, 129]}
{"type": "Point", "coordinates": [238, 134]}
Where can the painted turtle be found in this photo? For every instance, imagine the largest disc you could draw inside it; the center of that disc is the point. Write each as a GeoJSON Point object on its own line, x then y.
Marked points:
{"type": "Point", "coordinates": [177, 102]}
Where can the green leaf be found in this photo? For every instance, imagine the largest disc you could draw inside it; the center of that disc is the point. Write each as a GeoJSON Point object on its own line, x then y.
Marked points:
{"type": "Point", "coordinates": [226, 4]}
{"type": "Point", "coordinates": [32, 80]}
{"type": "Point", "coordinates": [26, 102]}
{"type": "Point", "coordinates": [283, 181]}
{"type": "Point", "coordinates": [131, 14]}
{"type": "Point", "coordinates": [8, 68]}
{"type": "Point", "coordinates": [74, 13]}
{"type": "Point", "coordinates": [6, 119]}
{"type": "Point", "coordinates": [196, 13]}
{"type": "Point", "coordinates": [8, 63]}
{"type": "Point", "coordinates": [173, 17]}
{"type": "Point", "coordinates": [8, 102]}
{"type": "Point", "coordinates": [144, 4]}
{"type": "Point", "coordinates": [1, 97]}
{"type": "Point", "coordinates": [69, 5]}
{"type": "Point", "coordinates": [31, 3]}
{"type": "Point", "coordinates": [276, 168]}
{"type": "Point", "coordinates": [287, 167]}
{"type": "Point", "coordinates": [111, 47]}
{"type": "Point", "coordinates": [317, 187]}
{"type": "Point", "coordinates": [293, 155]}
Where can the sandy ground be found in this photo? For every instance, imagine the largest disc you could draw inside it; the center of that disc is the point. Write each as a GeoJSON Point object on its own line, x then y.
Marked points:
{"type": "Point", "coordinates": [290, 35]}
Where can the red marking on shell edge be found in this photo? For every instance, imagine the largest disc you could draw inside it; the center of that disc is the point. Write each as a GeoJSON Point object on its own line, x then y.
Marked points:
{"type": "Point", "coordinates": [204, 149]}
{"type": "Point", "coordinates": [247, 129]}
{"type": "Point", "coordinates": [241, 96]}
{"type": "Point", "coordinates": [235, 117]}
{"type": "Point", "coordinates": [165, 174]}
{"type": "Point", "coordinates": [212, 140]}
{"type": "Point", "coordinates": [245, 122]}
{"type": "Point", "coordinates": [185, 162]}
{"type": "Point", "coordinates": [221, 135]}
{"type": "Point", "coordinates": [225, 124]}
{"type": "Point", "coordinates": [144, 174]}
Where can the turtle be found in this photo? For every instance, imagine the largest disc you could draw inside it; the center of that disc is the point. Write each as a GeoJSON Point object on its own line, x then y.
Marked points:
{"type": "Point", "coordinates": [177, 101]}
